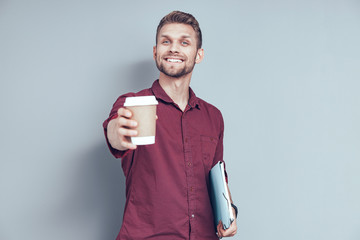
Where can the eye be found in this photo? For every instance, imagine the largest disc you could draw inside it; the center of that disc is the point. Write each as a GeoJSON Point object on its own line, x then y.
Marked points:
{"type": "Point", "coordinates": [185, 43]}
{"type": "Point", "coordinates": [166, 42]}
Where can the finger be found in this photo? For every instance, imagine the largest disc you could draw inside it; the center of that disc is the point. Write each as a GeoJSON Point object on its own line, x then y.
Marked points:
{"type": "Point", "coordinates": [222, 230]}
{"type": "Point", "coordinates": [227, 233]}
{"type": "Point", "coordinates": [219, 229]}
{"type": "Point", "coordinates": [124, 112]}
{"type": "Point", "coordinates": [127, 132]}
{"type": "Point", "coordinates": [126, 142]}
{"type": "Point", "coordinates": [231, 231]}
{"type": "Point", "coordinates": [124, 122]}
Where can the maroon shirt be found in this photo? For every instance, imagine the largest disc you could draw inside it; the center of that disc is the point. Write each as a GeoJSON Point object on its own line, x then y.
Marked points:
{"type": "Point", "coordinates": [167, 185]}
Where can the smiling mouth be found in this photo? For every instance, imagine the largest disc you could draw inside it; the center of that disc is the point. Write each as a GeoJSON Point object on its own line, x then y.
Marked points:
{"type": "Point", "coordinates": [174, 60]}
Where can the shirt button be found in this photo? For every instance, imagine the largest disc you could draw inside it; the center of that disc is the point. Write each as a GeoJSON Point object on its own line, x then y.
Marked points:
{"type": "Point", "coordinates": [192, 215]}
{"type": "Point", "coordinates": [191, 189]}
{"type": "Point", "coordinates": [189, 164]}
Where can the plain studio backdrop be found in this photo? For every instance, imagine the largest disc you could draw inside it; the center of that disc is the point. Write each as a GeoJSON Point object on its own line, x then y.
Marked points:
{"type": "Point", "coordinates": [285, 74]}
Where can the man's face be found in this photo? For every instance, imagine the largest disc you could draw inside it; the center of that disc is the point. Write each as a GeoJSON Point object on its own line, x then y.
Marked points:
{"type": "Point", "coordinates": [176, 52]}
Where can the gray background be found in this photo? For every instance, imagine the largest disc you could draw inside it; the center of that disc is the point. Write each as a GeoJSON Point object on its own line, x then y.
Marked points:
{"type": "Point", "coordinates": [285, 74]}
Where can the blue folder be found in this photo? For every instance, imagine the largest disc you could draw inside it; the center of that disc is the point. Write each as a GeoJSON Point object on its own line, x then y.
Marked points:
{"type": "Point", "coordinates": [219, 196]}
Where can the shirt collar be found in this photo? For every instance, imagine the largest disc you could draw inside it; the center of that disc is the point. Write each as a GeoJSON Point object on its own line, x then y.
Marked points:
{"type": "Point", "coordinates": [159, 93]}
{"type": "Point", "coordinates": [193, 100]}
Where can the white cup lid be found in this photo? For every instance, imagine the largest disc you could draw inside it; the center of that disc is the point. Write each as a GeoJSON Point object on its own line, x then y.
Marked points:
{"type": "Point", "coordinates": [140, 101]}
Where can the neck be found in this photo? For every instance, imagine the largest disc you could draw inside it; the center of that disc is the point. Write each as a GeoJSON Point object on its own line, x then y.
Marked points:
{"type": "Point", "coordinates": [176, 88]}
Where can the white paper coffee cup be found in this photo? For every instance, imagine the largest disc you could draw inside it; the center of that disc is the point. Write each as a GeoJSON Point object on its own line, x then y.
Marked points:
{"type": "Point", "coordinates": [143, 110]}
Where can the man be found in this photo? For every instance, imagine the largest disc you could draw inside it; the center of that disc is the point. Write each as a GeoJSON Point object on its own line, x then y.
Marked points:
{"type": "Point", "coordinates": [167, 183]}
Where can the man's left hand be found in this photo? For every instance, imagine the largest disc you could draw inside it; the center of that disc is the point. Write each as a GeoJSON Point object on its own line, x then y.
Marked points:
{"type": "Point", "coordinates": [231, 231]}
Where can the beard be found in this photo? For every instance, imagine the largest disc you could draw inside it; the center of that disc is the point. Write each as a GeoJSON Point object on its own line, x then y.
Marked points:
{"type": "Point", "coordinates": [175, 73]}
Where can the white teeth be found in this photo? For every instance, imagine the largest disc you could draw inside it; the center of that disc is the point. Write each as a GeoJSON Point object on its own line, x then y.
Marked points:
{"type": "Point", "coordinates": [173, 60]}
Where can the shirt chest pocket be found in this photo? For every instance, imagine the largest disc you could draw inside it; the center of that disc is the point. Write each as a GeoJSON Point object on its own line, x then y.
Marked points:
{"type": "Point", "coordinates": [208, 148]}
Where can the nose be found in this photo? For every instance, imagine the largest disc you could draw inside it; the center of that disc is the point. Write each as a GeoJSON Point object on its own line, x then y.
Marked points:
{"type": "Point", "coordinates": [174, 47]}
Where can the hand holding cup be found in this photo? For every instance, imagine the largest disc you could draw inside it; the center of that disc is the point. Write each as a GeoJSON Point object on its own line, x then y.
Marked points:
{"type": "Point", "coordinates": [135, 124]}
{"type": "Point", "coordinates": [121, 129]}
{"type": "Point", "coordinates": [143, 110]}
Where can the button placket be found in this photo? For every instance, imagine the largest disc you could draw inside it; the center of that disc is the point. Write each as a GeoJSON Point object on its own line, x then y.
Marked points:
{"type": "Point", "coordinates": [188, 168]}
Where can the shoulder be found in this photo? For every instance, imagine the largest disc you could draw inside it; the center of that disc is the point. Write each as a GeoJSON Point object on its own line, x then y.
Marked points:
{"type": "Point", "coordinates": [209, 107]}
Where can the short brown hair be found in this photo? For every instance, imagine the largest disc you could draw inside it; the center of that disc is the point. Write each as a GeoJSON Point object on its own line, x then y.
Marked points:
{"type": "Point", "coordinates": [181, 17]}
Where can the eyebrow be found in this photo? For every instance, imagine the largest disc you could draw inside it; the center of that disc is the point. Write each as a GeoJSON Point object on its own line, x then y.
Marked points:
{"type": "Point", "coordinates": [183, 36]}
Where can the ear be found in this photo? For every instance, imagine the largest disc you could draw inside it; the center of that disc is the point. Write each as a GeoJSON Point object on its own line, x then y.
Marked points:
{"type": "Point", "coordinates": [154, 52]}
{"type": "Point", "coordinates": [199, 55]}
